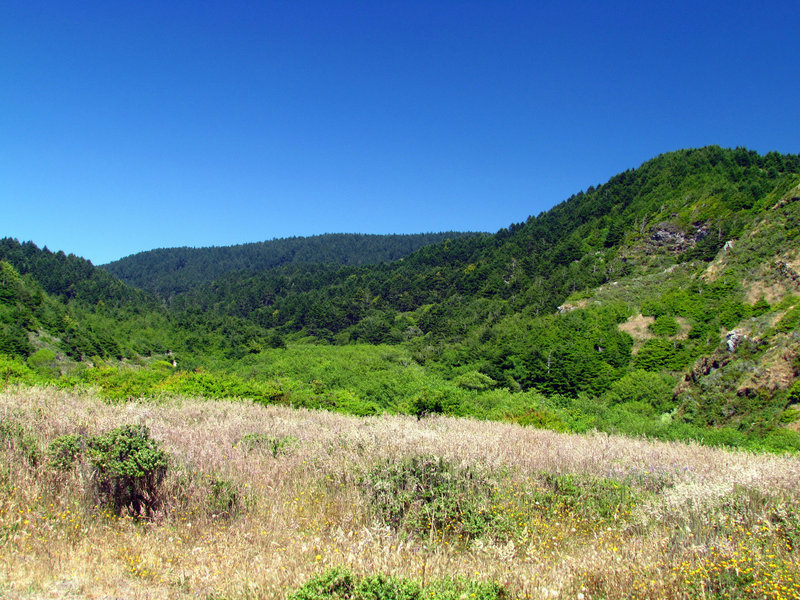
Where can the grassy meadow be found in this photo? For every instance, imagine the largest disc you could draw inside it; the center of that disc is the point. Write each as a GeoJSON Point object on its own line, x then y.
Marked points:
{"type": "Point", "coordinates": [256, 501]}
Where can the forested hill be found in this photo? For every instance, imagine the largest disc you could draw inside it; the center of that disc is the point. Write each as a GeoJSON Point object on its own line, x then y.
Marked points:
{"type": "Point", "coordinates": [664, 302]}
{"type": "Point", "coordinates": [169, 271]}
{"type": "Point", "coordinates": [681, 206]}
{"type": "Point", "coordinates": [69, 277]}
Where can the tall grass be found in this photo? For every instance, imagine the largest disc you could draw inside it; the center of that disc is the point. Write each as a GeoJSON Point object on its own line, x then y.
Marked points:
{"type": "Point", "coordinates": [571, 516]}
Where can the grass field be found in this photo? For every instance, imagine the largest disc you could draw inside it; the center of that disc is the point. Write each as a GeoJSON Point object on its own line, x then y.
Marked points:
{"type": "Point", "coordinates": [258, 499]}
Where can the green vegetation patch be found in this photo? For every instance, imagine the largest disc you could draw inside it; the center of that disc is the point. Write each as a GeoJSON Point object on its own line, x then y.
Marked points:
{"type": "Point", "coordinates": [429, 495]}
{"type": "Point", "coordinates": [129, 468]}
{"type": "Point", "coordinates": [592, 497]}
{"type": "Point", "coordinates": [341, 584]}
{"type": "Point", "coordinates": [64, 451]}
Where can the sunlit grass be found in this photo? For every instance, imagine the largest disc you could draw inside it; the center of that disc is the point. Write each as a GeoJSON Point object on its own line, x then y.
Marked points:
{"type": "Point", "coordinates": [568, 516]}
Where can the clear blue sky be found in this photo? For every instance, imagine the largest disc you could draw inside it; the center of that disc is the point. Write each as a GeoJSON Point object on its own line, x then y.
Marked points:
{"type": "Point", "coordinates": [131, 125]}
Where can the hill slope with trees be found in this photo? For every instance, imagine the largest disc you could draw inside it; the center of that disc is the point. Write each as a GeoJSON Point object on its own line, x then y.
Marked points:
{"type": "Point", "coordinates": [169, 271]}
{"type": "Point", "coordinates": [664, 302]}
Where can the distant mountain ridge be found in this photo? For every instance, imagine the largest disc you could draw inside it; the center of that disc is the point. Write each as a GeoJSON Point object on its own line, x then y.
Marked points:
{"type": "Point", "coordinates": [170, 271]}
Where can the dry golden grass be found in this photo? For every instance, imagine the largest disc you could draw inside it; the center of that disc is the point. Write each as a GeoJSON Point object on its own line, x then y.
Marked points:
{"type": "Point", "coordinates": [637, 326]}
{"type": "Point", "coordinates": [704, 515]}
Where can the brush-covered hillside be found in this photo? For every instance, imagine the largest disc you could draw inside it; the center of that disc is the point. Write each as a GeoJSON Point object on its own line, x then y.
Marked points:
{"type": "Point", "coordinates": [663, 302]}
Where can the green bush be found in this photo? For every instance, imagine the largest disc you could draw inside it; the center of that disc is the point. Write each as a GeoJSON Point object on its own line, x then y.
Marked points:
{"type": "Point", "coordinates": [654, 389]}
{"type": "Point", "coordinates": [788, 322]}
{"type": "Point", "coordinates": [14, 370]}
{"type": "Point", "coordinates": [43, 361]}
{"type": "Point", "coordinates": [340, 584]}
{"type": "Point", "coordinates": [541, 418]}
{"type": "Point", "coordinates": [64, 451]}
{"type": "Point", "coordinates": [428, 495]}
{"type": "Point", "coordinates": [664, 325]}
{"type": "Point", "coordinates": [129, 468]}
{"type": "Point", "coordinates": [434, 402]}
{"type": "Point", "coordinates": [658, 354]}
{"type": "Point", "coordinates": [475, 380]}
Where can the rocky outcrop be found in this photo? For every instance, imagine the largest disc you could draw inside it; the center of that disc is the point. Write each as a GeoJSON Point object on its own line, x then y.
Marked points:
{"type": "Point", "coordinates": [666, 236]}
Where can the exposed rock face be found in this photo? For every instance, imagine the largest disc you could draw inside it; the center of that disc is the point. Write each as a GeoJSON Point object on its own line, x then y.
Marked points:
{"type": "Point", "coordinates": [734, 339]}
{"type": "Point", "coordinates": [703, 367]}
{"type": "Point", "coordinates": [668, 236]}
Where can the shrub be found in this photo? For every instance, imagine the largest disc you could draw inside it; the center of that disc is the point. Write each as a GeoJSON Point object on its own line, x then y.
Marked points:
{"type": "Point", "coordinates": [654, 389]}
{"type": "Point", "coordinates": [427, 494]}
{"type": "Point", "coordinates": [475, 380]}
{"type": "Point", "coordinates": [64, 451]}
{"type": "Point", "coordinates": [43, 361]}
{"type": "Point", "coordinates": [14, 370]}
{"type": "Point", "coordinates": [341, 584]}
{"type": "Point", "coordinates": [128, 468]}
{"type": "Point", "coordinates": [659, 353]}
{"type": "Point", "coordinates": [664, 325]}
{"type": "Point", "coordinates": [434, 402]}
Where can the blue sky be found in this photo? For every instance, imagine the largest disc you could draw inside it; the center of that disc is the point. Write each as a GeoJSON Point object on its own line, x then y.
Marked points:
{"type": "Point", "coordinates": [126, 126]}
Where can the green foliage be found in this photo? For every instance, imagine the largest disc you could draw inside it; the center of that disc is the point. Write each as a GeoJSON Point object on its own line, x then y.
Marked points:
{"type": "Point", "coordinates": [340, 584]}
{"type": "Point", "coordinates": [794, 393]}
{"type": "Point", "coordinates": [652, 389]}
{"type": "Point", "coordinates": [14, 340]}
{"type": "Point", "coordinates": [13, 370]}
{"type": "Point", "coordinates": [124, 384]}
{"type": "Point", "coordinates": [345, 401]}
{"type": "Point", "coordinates": [661, 354]}
{"type": "Point", "coordinates": [432, 402]}
{"type": "Point", "coordinates": [43, 361]}
{"type": "Point", "coordinates": [129, 467]}
{"type": "Point", "coordinates": [475, 380]}
{"type": "Point", "coordinates": [427, 495]}
{"type": "Point", "coordinates": [168, 271]}
{"type": "Point", "coordinates": [63, 452]}
{"type": "Point", "coordinates": [224, 499]}
{"type": "Point", "coordinates": [462, 326]}
{"type": "Point", "coordinates": [664, 325]}
{"type": "Point", "coordinates": [593, 497]}
{"type": "Point", "coordinates": [542, 418]}
{"type": "Point", "coordinates": [121, 384]}
{"type": "Point", "coordinates": [789, 321]}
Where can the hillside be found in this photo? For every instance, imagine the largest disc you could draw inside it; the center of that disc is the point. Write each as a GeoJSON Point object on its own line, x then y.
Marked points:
{"type": "Point", "coordinates": [255, 502]}
{"type": "Point", "coordinates": [663, 302]}
{"type": "Point", "coordinates": [169, 271]}
{"type": "Point", "coordinates": [701, 197]}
